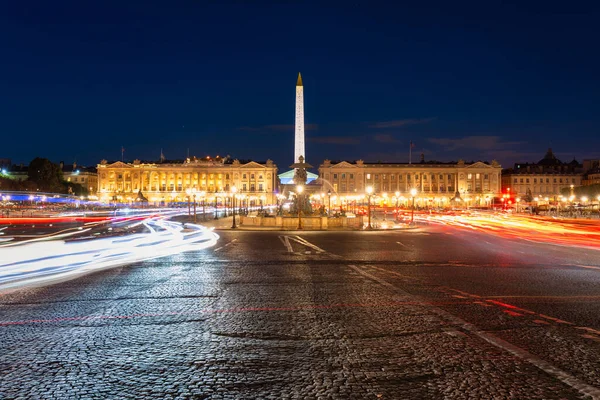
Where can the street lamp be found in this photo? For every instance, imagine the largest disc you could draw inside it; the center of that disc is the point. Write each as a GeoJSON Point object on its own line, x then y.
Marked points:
{"type": "Point", "coordinates": [299, 190]}
{"type": "Point", "coordinates": [233, 191]}
{"type": "Point", "coordinates": [194, 195]}
{"type": "Point", "coordinates": [369, 193]}
{"type": "Point", "coordinates": [413, 194]}
{"type": "Point", "coordinates": [188, 191]}
{"type": "Point", "coordinates": [397, 198]}
{"type": "Point", "coordinates": [329, 204]}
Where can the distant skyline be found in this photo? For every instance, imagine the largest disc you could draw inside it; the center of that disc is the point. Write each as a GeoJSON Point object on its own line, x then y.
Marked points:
{"type": "Point", "coordinates": [482, 81]}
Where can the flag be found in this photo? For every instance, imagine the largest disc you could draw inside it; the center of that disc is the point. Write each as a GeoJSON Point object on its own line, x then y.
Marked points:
{"type": "Point", "coordinates": [412, 145]}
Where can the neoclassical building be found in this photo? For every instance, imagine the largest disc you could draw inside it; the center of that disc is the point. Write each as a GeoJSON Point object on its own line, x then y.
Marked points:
{"type": "Point", "coordinates": [436, 183]}
{"type": "Point", "coordinates": [165, 182]}
{"type": "Point", "coordinates": [546, 178]}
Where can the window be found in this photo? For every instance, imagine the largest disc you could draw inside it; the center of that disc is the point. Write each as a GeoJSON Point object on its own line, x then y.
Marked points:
{"type": "Point", "coordinates": [226, 176]}
{"type": "Point", "coordinates": [516, 180]}
{"type": "Point", "coordinates": [351, 176]}
{"type": "Point", "coordinates": [334, 176]}
{"type": "Point", "coordinates": [260, 187]}
{"type": "Point", "coordinates": [547, 180]}
{"type": "Point", "coordinates": [424, 177]}
{"type": "Point", "coordinates": [252, 187]}
{"type": "Point", "coordinates": [251, 176]}
{"type": "Point", "coordinates": [244, 188]}
{"type": "Point", "coordinates": [243, 176]}
{"type": "Point", "coordinates": [521, 180]}
{"type": "Point", "coordinates": [376, 177]}
{"type": "Point", "coordinates": [441, 177]}
{"type": "Point", "coordinates": [485, 176]}
{"type": "Point", "coordinates": [343, 176]}
{"type": "Point", "coordinates": [368, 176]}
{"type": "Point", "coordinates": [477, 176]}
{"type": "Point", "coordinates": [260, 177]}
{"type": "Point", "coordinates": [526, 180]}
{"type": "Point", "coordinates": [383, 177]}
{"type": "Point", "coordinates": [534, 180]}
{"type": "Point", "coordinates": [470, 176]}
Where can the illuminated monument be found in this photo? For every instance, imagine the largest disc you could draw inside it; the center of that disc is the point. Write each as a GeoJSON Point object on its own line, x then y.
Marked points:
{"type": "Point", "coordinates": [299, 149]}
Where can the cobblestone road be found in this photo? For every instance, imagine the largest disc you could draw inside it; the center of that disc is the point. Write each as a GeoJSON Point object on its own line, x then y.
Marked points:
{"type": "Point", "coordinates": [272, 316]}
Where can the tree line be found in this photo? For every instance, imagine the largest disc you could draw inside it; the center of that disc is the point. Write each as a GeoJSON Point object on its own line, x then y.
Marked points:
{"type": "Point", "coordinates": [44, 176]}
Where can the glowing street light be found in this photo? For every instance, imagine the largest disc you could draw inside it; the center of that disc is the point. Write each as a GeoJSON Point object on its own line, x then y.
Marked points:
{"type": "Point", "coordinates": [299, 190]}
{"type": "Point", "coordinates": [369, 193]}
{"type": "Point", "coordinates": [397, 198]}
{"type": "Point", "coordinates": [233, 191]}
{"type": "Point", "coordinates": [413, 194]}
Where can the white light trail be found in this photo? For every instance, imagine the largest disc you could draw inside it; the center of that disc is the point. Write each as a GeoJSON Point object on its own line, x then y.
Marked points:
{"type": "Point", "coordinates": [36, 261]}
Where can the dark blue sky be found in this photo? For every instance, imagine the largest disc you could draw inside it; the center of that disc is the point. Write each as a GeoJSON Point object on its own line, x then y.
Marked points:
{"type": "Point", "coordinates": [80, 79]}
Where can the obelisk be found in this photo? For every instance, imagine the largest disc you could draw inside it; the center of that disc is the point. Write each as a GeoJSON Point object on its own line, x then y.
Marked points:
{"type": "Point", "coordinates": [299, 125]}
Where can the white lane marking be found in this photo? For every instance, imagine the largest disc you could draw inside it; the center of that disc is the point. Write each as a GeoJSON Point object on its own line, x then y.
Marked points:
{"type": "Point", "coordinates": [307, 243]}
{"type": "Point", "coordinates": [286, 242]}
{"type": "Point", "coordinates": [227, 244]}
{"type": "Point", "coordinates": [524, 355]}
{"type": "Point", "coordinates": [403, 245]}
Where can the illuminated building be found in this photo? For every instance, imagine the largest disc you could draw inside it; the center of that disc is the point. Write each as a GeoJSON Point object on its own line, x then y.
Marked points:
{"type": "Point", "coordinates": [87, 177]}
{"type": "Point", "coordinates": [437, 183]}
{"type": "Point", "coordinates": [546, 178]}
{"type": "Point", "coordinates": [166, 182]}
{"type": "Point", "coordinates": [592, 172]}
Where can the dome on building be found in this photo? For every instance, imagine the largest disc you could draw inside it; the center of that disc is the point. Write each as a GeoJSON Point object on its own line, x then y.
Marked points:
{"type": "Point", "coordinates": [549, 159]}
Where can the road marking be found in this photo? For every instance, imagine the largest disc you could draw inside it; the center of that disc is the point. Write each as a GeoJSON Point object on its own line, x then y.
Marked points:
{"type": "Point", "coordinates": [307, 243]}
{"type": "Point", "coordinates": [403, 245]}
{"type": "Point", "coordinates": [286, 242]}
{"type": "Point", "coordinates": [227, 244]}
{"type": "Point", "coordinates": [518, 352]}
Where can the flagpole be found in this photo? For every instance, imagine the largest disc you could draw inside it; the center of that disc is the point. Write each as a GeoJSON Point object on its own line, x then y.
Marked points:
{"type": "Point", "coordinates": [410, 153]}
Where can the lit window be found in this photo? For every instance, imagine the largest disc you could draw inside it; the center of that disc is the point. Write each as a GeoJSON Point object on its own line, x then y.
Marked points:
{"type": "Point", "coordinates": [470, 176]}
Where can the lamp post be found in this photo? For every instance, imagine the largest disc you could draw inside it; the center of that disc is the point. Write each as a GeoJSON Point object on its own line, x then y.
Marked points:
{"type": "Point", "coordinates": [329, 202]}
{"type": "Point", "coordinates": [413, 194]}
{"type": "Point", "coordinates": [299, 190]}
{"type": "Point", "coordinates": [369, 193]}
{"type": "Point", "coordinates": [397, 198]}
{"type": "Point", "coordinates": [188, 191]}
{"type": "Point", "coordinates": [233, 191]}
{"type": "Point", "coordinates": [194, 195]}
{"type": "Point", "coordinates": [384, 206]}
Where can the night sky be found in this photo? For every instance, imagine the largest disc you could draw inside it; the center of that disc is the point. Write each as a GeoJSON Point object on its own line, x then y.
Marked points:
{"type": "Point", "coordinates": [483, 81]}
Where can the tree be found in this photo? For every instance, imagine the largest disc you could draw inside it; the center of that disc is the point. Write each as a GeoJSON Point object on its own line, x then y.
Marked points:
{"type": "Point", "coordinates": [46, 175]}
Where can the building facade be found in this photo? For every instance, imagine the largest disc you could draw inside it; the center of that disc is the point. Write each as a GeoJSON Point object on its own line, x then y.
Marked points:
{"type": "Point", "coordinates": [592, 172]}
{"type": "Point", "coordinates": [546, 178]}
{"type": "Point", "coordinates": [437, 184]}
{"type": "Point", "coordinates": [85, 176]}
{"type": "Point", "coordinates": [166, 182]}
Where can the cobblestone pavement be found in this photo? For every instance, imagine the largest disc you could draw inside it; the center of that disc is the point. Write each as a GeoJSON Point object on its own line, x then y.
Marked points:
{"type": "Point", "coordinates": [350, 315]}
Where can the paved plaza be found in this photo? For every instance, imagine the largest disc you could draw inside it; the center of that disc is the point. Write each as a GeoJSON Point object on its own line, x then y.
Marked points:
{"type": "Point", "coordinates": [422, 313]}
